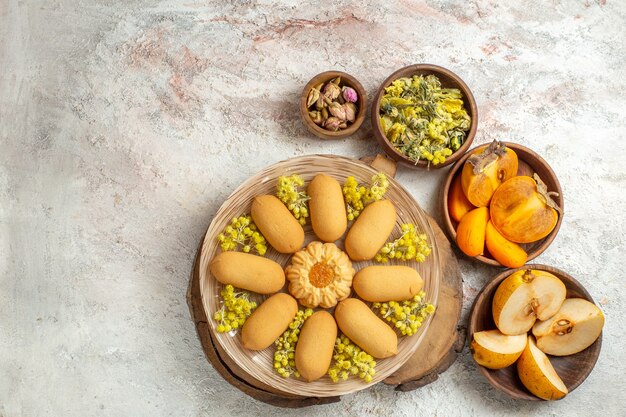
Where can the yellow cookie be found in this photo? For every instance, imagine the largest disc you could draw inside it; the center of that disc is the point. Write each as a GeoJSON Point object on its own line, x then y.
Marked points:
{"type": "Point", "coordinates": [387, 283]}
{"type": "Point", "coordinates": [327, 208]}
{"type": "Point", "coordinates": [248, 272]}
{"type": "Point", "coordinates": [370, 230]}
{"type": "Point", "coordinates": [365, 329]}
{"type": "Point", "coordinates": [314, 350]}
{"type": "Point", "coordinates": [268, 321]}
{"type": "Point", "coordinates": [277, 224]}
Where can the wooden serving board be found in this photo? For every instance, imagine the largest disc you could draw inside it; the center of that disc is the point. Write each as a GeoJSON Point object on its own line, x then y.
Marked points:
{"type": "Point", "coordinates": [439, 349]}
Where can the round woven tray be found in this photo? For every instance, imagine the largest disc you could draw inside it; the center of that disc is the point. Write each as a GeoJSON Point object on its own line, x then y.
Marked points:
{"type": "Point", "coordinates": [435, 353]}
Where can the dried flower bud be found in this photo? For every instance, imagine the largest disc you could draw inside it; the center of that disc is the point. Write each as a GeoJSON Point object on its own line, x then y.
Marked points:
{"type": "Point", "coordinates": [316, 116]}
{"type": "Point", "coordinates": [324, 113]}
{"type": "Point", "coordinates": [336, 80]}
{"type": "Point", "coordinates": [331, 91]}
{"type": "Point", "coordinates": [350, 95]}
{"type": "Point", "coordinates": [332, 123]}
{"type": "Point", "coordinates": [314, 95]}
{"type": "Point", "coordinates": [350, 110]}
{"type": "Point", "coordinates": [343, 125]}
{"type": "Point", "coordinates": [337, 110]}
{"type": "Point", "coordinates": [320, 103]}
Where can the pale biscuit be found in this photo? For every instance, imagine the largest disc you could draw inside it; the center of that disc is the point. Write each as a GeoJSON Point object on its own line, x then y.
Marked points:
{"type": "Point", "coordinates": [365, 329]}
{"type": "Point", "coordinates": [248, 272]}
{"type": "Point", "coordinates": [327, 208]}
{"type": "Point", "coordinates": [314, 350]}
{"type": "Point", "coordinates": [277, 224]}
{"type": "Point", "coordinates": [370, 230]}
{"type": "Point", "coordinates": [268, 321]}
{"type": "Point", "coordinates": [387, 283]}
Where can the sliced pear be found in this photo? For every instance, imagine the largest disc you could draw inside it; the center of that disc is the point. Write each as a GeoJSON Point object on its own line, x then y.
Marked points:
{"type": "Point", "coordinates": [538, 374]}
{"type": "Point", "coordinates": [525, 296]}
{"type": "Point", "coordinates": [494, 350]}
{"type": "Point", "coordinates": [573, 329]}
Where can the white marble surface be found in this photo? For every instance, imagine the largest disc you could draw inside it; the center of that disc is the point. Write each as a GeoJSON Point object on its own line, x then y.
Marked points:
{"type": "Point", "coordinates": [125, 124]}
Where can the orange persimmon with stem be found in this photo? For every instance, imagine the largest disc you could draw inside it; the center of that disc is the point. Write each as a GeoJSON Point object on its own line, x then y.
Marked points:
{"type": "Point", "coordinates": [485, 170]}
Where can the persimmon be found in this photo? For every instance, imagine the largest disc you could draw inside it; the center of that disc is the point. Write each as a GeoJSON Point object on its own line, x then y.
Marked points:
{"type": "Point", "coordinates": [470, 235]}
{"type": "Point", "coordinates": [504, 251]}
{"type": "Point", "coordinates": [458, 204]}
{"type": "Point", "coordinates": [522, 209]}
{"type": "Point", "coordinates": [485, 170]}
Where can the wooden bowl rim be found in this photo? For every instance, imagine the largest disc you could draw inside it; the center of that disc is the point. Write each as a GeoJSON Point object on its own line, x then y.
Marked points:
{"type": "Point", "coordinates": [360, 116]}
{"type": "Point", "coordinates": [447, 221]}
{"type": "Point", "coordinates": [468, 100]}
{"type": "Point", "coordinates": [480, 299]}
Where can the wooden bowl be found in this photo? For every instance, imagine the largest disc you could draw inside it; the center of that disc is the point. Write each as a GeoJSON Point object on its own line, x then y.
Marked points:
{"type": "Point", "coordinates": [529, 163]}
{"type": "Point", "coordinates": [572, 369]}
{"type": "Point", "coordinates": [449, 80]}
{"type": "Point", "coordinates": [346, 80]}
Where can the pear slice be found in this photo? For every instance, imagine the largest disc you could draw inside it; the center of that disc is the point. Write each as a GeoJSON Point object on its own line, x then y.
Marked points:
{"type": "Point", "coordinates": [525, 296]}
{"type": "Point", "coordinates": [538, 374]}
{"type": "Point", "coordinates": [573, 329]}
{"type": "Point", "coordinates": [494, 350]}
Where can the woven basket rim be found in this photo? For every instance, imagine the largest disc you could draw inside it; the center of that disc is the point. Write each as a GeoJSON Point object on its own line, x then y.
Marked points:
{"type": "Point", "coordinates": [259, 365]}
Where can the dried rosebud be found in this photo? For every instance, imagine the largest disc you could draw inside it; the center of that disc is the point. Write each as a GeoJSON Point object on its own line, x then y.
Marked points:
{"type": "Point", "coordinates": [343, 125]}
{"type": "Point", "coordinates": [314, 95]}
{"type": "Point", "coordinates": [331, 91]}
{"type": "Point", "coordinates": [349, 94]}
{"type": "Point", "coordinates": [316, 116]}
{"type": "Point", "coordinates": [324, 113]}
{"type": "Point", "coordinates": [320, 103]}
{"type": "Point", "coordinates": [350, 110]}
{"type": "Point", "coordinates": [332, 123]}
{"type": "Point", "coordinates": [337, 110]}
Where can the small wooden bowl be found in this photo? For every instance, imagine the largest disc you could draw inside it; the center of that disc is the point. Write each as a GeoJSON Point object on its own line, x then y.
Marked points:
{"type": "Point", "coordinates": [346, 80]}
{"type": "Point", "coordinates": [529, 163]}
{"type": "Point", "coordinates": [572, 369]}
{"type": "Point", "coordinates": [449, 80]}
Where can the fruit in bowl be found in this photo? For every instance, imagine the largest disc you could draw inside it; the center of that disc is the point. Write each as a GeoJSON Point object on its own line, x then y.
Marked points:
{"type": "Point", "coordinates": [496, 350]}
{"type": "Point", "coordinates": [496, 211]}
{"type": "Point", "coordinates": [524, 297]}
{"type": "Point", "coordinates": [534, 322]}
{"type": "Point", "coordinates": [576, 325]}
{"type": "Point", "coordinates": [486, 170]}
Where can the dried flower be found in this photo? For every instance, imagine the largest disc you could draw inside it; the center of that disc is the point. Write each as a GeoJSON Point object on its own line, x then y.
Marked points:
{"type": "Point", "coordinates": [316, 116]}
{"type": "Point", "coordinates": [314, 95]}
{"type": "Point", "coordinates": [320, 103]}
{"type": "Point", "coordinates": [349, 94]}
{"type": "Point", "coordinates": [332, 106]}
{"type": "Point", "coordinates": [331, 91]}
{"type": "Point", "coordinates": [350, 110]}
{"type": "Point", "coordinates": [332, 123]}
{"type": "Point", "coordinates": [337, 110]}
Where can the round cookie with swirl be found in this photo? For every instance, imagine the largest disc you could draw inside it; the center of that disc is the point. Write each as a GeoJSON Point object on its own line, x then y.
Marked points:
{"type": "Point", "coordinates": [320, 275]}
